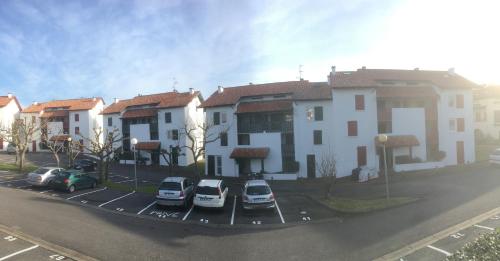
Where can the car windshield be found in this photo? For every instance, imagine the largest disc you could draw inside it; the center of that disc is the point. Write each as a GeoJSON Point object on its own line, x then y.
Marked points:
{"type": "Point", "coordinates": [205, 190]}
{"type": "Point", "coordinates": [176, 186]}
{"type": "Point", "coordinates": [258, 190]}
{"type": "Point", "coordinates": [41, 170]}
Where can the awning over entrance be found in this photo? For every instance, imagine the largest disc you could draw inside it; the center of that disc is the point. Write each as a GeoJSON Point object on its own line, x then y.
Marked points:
{"type": "Point", "coordinates": [249, 153]}
{"type": "Point", "coordinates": [139, 113]}
{"type": "Point", "coordinates": [60, 138]}
{"type": "Point", "coordinates": [148, 145]}
{"type": "Point", "coordinates": [264, 106]}
{"type": "Point", "coordinates": [396, 141]}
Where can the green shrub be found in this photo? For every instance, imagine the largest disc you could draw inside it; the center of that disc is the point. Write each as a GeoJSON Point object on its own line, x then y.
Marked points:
{"type": "Point", "coordinates": [486, 247]}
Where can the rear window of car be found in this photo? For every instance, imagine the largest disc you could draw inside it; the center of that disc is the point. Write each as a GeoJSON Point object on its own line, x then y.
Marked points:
{"type": "Point", "coordinates": [258, 190]}
{"type": "Point", "coordinates": [207, 190]}
{"type": "Point", "coordinates": [63, 174]}
{"type": "Point", "coordinates": [176, 186]}
{"type": "Point", "coordinates": [41, 170]}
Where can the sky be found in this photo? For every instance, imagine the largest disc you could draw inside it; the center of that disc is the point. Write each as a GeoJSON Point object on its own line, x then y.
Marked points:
{"type": "Point", "coordinates": [121, 48]}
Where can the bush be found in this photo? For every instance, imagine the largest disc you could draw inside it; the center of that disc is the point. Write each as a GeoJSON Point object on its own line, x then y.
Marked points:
{"type": "Point", "coordinates": [486, 247]}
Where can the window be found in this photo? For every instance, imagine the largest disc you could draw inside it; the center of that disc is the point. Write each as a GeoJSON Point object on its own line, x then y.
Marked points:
{"type": "Point", "coordinates": [219, 165]}
{"type": "Point", "coordinates": [460, 125]}
{"type": "Point", "coordinates": [216, 118]}
{"type": "Point", "coordinates": [318, 113]}
{"type": "Point", "coordinates": [460, 101]}
{"type": "Point", "coordinates": [352, 128]}
{"type": "Point", "coordinates": [173, 134]}
{"type": "Point", "coordinates": [360, 102]}
{"type": "Point", "coordinates": [318, 137]}
{"type": "Point", "coordinates": [110, 121]}
{"type": "Point", "coordinates": [243, 139]}
{"type": "Point", "coordinates": [223, 139]}
{"type": "Point", "coordinates": [223, 117]}
{"type": "Point", "coordinates": [451, 101]}
{"type": "Point", "coordinates": [452, 125]}
{"type": "Point", "coordinates": [77, 130]}
{"type": "Point", "coordinates": [361, 156]}
{"type": "Point", "coordinates": [168, 117]}
{"type": "Point", "coordinates": [77, 117]}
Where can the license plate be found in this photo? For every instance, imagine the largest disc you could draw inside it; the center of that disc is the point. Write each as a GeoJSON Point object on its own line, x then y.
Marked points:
{"type": "Point", "coordinates": [204, 199]}
{"type": "Point", "coordinates": [57, 181]}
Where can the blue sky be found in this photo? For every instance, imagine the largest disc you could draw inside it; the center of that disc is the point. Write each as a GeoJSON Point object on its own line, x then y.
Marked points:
{"type": "Point", "coordinates": [120, 48]}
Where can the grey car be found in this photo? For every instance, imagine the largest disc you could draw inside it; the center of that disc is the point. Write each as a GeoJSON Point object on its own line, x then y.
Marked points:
{"type": "Point", "coordinates": [43, 176]}
{"type": "Point", "coordinates": [175, 191]}
{"type": "Point", "coordinates": [257, 194]}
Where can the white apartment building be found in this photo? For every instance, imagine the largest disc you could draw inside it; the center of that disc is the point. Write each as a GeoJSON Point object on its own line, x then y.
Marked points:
{"type": "Point", "coordinates": [9, 111]}
{"type": "Point", "coordinates": [487, 112]}
{"type": "Point", "coordinates": [157, 121]}
{"type": "Point", "coordinates": [62, 119]}
{"type": "Point", "coordinates": [285, 130]}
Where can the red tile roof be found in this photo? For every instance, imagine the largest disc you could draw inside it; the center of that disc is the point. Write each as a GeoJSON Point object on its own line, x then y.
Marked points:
{"type": "Point", "coordinates": [139, 113]}
{"type": "Point", "coordinates": [4, 100]}
{"type": "Point", "coordinates": [299, 90]}
{"type": "Point", "coordinates": [264, 106]}
{"type": "Point", "coordinates": [373, 77]}
{"type": "Point", "coordinates": [249, 153]}
{"type": "Point", "coordinates": [147, 145]}
{"type": "Point", "coordinates": [81, 104]}
{"type": "Point", "coordinates": [160, 100]}
{"type": "Point", "coordinates": [395, 141]}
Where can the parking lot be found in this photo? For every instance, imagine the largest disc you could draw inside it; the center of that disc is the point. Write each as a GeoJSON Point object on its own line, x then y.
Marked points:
{"type": "Point", "coordinates": [290, 209]}
{"type": "Point", "coordinates": [13, 248]}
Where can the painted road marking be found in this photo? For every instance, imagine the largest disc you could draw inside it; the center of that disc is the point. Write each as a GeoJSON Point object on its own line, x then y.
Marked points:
{"type": "Point", "coordinates": [57, 257]}
{"type": "Point", "coordinates": [7, 181]}
{"type": "Point", "coordinates": [485, 227]}
{"type": "Point", "coordinates": [19, 252]}
{"type": "Point", "coordinates": [187, 214]}
{"type": "Point", "coordinates": [123, 181]}
{"type": "Point", "coordinates": [496, 217]}
{"type": "Point", "coordinates": [120, 209]}
{"type": "Point", "coordinates": [87, 193]}
{"type": "Point", "coordinates": [148, 206]}
{"type": "Point", "coordinates": [45, 191]}
{"type": "Point", "coordinates": [279, 212]}
{"type": "Point", "coordinates": [113, 200]}
{"type": "Point", "coordinates": [457, 235]}
{"type": "Point", "coordinates": [10, 238]}
{"type": "Point", "coordinates": [234, 208]}
{"type": "Point", "coordinates": [439, 250]}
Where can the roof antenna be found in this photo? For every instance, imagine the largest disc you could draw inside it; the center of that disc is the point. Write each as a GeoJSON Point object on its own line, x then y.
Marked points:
{"type": "Point", "coordinates": [174, 83]}
{"type": "Point", "coordinates": [300, 72]}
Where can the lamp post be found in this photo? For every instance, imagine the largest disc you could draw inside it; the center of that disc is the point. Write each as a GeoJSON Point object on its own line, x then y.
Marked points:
{"type": "Point", "coordinates": [70, 152]}
{"type": "Point", "coordinates": [134, 141]}
{"type": "Point", "coordinates": [382, 139]}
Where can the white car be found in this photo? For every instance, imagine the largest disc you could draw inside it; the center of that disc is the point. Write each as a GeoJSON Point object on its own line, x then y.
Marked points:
{"type": "Point", "coordinates": [495, 157]}
{"type": "Point", "coordinates": [210, 193]}
{"type": "Point", "coordinates": [43, 176]}
{"type": "Point", "coordinates": [257, 194]}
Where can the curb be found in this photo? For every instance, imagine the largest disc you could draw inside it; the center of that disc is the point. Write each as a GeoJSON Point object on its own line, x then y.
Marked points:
{"type": "Point", "coordinates": [47, 245]}
{"type": "Point", "coordinates": [438, 236]}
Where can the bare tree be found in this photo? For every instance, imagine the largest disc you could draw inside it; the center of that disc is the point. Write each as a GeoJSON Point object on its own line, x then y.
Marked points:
{"type": "Point", "coordinates": [327, 168]}
{"type": "Point", "coordinates": [100, 144]}
{"type": "Point", "coordinates": [21, 134]}
{"type": "Point", "coordinates": [54, 143]}
{"type": "Point", "coordinates": [74, 150]}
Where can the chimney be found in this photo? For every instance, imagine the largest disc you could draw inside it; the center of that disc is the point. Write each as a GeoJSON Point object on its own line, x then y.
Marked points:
{"type": "Point", "coordinates": [9, 95]}
{"type": "Point", "coordinates": [94, 99]}
{"type": "Point", "coordinates": [332, 74]}
{"type": "Point", "coordinates": [116, 100]}
{"type": "Point", "coordinates": [220, 89]}
{"type": "Point", "coordinates": [363, 68]}
{"type": "Point", "coordinates": [35, 103]}
{"type": "Point", "coordinates": [416, 69]}
{"type": "Point", "coordinates": [250, 83]}
{"type": "Point", "coordinates": [451, 71]}
{"type": "Point", "coordinates": [191, 90]}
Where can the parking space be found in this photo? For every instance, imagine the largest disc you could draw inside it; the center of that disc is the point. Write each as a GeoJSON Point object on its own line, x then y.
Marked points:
{"type": "Point", "coordinates": [13, 248]}
{"type": "Point", "coordinates": [255, 217]}
{"type": "Point", "coordinates": [97, 197]}
{"type": "Point", "coordinates": [298, 208]}
{"type": "Point", "coordinates": [213, 216]}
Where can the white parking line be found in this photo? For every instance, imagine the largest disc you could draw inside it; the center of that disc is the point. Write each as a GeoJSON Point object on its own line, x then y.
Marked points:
{"type": "Point", "coordinates": [234, 208]}
{"type": "Point", "coordinates": [87, 193]}
{"type": "Point", "coordinates": [439, 250]}
{"type": "Point", "coordinates": [45, 191]}
{"type": "Point", "coordinates": [7, 181]}
{"type": "Point", "coordinates": [144, 209]}
{"type": "Point", "coordinates": [187, 214]}
{"type": "Point", "coordinates": [105, 203]}
{"type": "Point", "coordinates": [19, 252]}
{"type": "Point", "coordinates": [279, 211]}
{"type": "Point", "coordinates": [484, 227]}
{"type": "Point", "coordinates": [123, 181]}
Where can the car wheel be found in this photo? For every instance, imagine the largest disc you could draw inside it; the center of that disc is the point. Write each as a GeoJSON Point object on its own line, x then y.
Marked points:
{"type": "Point", "coordinates": [71, 189]}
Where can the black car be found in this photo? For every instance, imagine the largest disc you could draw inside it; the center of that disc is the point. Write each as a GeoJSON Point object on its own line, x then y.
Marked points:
{"type": "Point", "coordinates": [85, 165]}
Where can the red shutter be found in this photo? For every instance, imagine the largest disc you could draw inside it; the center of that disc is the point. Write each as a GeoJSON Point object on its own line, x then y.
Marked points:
{"type": "Point", "coordinates": [360, 102]}
{"type": "Point", "coordinates": [460, 101]}
{"type": "Point", "coordinates": [352, 128]}
{"type": "Point", "coordinates": [460, 125]}
{"type": "Point", "coordinates": [361, 156]}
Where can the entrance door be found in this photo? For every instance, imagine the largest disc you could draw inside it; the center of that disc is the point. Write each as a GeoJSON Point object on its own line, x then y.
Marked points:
{"type": "Point", "coordinates": [460, 152]}
{"type": "Point", "coordinates": [33, 145]}
{"type": "Point", "coordinates": [311, 166]}
{"type": "Point", "coordinates": [211, 165]}
{"type": "Point", "coordinates": [244, 167]}
{"type": "Point", "coordinates": [1, 144]}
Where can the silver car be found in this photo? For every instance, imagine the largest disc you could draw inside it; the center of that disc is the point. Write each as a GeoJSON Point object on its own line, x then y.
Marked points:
{"type": "Point", "coordinates": [257, 194]}
{"type": "Point", "coordinates": [43, 176]}
{"type": "Point", "coordinates": [175, 191]}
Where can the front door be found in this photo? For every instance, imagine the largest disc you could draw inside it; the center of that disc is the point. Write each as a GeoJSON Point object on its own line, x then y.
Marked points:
{"type": "Point", "coordinates": [33, 145]}
{"type": "Point", "coordinates": [211, 165]}
{"type": "Point", "coordinates": [311, 166]}
{"type": "Point", "coordinates": [244, 166]}
{"type": "Point", "coordinates": [460, 152]}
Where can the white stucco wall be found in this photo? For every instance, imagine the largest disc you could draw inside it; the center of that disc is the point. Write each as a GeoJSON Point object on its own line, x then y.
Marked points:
{"type": "Point", "coordinates": [8, 114]}
{"type": "Point", "coordinates": [488, 127]}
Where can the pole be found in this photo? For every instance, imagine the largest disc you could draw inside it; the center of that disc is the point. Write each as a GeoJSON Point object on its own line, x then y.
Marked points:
{"type": "Point", "coordinates": [386, 177]}
{"type": "Point", "coordinates": [135, 168]}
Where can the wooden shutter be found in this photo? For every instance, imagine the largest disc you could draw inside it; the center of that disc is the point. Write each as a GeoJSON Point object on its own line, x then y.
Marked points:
{"type": "Point", "coordinates": [460, 101]}
{"type": "Point", "coordinates": [352, 128]}
{"type": "Point", "coordinates": [360, 102]}
{"type": "Point", "coordinates": [460, 125]}
{"type": "Point", "coordinates": [361, 156]}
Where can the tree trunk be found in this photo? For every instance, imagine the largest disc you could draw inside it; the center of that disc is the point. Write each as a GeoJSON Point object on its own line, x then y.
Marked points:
{"type": "Point", "coordinates": [21, 161]}
{"type": "Point", "coordinates": [106, 170]}
{"type": "Point", "coordinates": [101, 170]}
{"type": "Point", "coordinates": [331, 184]}
{"type": "Point", "coordinates": [57, 159]}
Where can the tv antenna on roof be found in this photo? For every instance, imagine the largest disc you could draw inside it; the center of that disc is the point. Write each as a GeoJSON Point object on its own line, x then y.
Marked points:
{"type": "Point", "coordinates": [300, 72]}
{"type": "Point", "coordinates": [174, 83]}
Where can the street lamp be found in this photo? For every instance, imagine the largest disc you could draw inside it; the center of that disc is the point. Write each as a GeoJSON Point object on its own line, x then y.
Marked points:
{"type": "Point", "coordinates": [134, 142]}
{"type": "Point", "coordinates": [70, 152]}
{"type": "Point", "coordinates": [382, 139]}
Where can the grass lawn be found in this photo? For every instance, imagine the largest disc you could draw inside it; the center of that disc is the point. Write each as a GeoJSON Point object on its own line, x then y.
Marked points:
{"type": "Point", "coordinates": [14, 167]}
{"type": "Point", "coordinates": [348, 205]}
{"type": "Point", "coordinates": [149, 189]}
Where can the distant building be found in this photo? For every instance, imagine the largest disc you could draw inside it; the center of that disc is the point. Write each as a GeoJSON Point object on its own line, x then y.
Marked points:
{"type": "Point", "coordinates": [9, 111]}
{"type": "Point", "coordinates": [487, 112]}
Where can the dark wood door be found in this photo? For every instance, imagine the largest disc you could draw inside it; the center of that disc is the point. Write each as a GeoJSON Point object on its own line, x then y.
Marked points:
{"type": "Point", "coordinates": [311, 166]}
{"type": "Point", "coordinates": [33, 145]}
{"type": "Point", "coordinates": [244, 166]}
{"type": "Point", "coordinates": [460, 152]}
{"type": "Point", "coordinates": [361, 156]}
{"type": "Point", "coordinates": [1, 144]}
{"type": "Point", "coordinates": [211, 165]}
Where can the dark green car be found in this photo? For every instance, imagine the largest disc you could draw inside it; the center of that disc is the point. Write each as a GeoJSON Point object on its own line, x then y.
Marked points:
{"type": "Point", "coordinates": [72, 180]}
